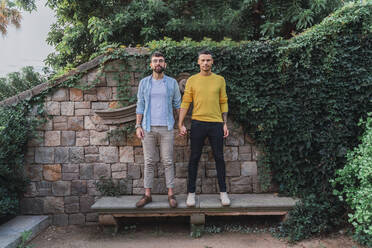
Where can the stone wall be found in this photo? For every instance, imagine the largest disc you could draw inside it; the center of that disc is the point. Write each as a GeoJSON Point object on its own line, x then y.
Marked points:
{"type": "Point", "coordinates": [73, 150]}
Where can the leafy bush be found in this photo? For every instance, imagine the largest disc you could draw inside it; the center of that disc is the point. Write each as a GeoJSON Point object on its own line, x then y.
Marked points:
{"type": "Point", "coordinates": [354, 186]}
{"type": "Point", "coordinates": [16, 128]}
{"type": "Point", "coordinates": [302, 99]}
{"type": "Point", "coordinates": [17, 82]}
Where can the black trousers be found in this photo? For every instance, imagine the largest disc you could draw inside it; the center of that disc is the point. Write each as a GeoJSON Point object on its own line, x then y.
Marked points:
{"type": "Point", "coordinates": [199, 131]}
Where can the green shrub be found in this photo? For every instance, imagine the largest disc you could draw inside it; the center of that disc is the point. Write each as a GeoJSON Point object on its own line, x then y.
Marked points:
{"type": "Point", "coordinates": [354, 186]}
{"type": "Point", "coordinates": [302, 100]}
{"type": "Point", "coordinates": [16, 128]}
{"type": "Point", "coordinates": [17, 82]}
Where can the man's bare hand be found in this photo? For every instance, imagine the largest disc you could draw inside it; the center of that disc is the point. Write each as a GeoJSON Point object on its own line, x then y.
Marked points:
{"type": "Point", "coordinates": [139, 133]}
{"type": "Point", "coordinates": [225, 131]}
{"type": "Point", "coordinates": [182, 130]}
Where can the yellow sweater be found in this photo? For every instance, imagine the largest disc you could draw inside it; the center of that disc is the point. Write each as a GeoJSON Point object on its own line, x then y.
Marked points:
{"type": "Point", "coordinates": [208, 94]}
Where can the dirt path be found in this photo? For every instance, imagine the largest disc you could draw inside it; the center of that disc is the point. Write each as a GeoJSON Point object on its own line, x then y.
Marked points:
{"type": "Point", "coordinates": [170, 235]}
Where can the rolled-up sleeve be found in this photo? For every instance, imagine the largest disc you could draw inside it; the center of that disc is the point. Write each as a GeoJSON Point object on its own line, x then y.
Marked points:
{"type": "Point", "coordinates": [187, 96]}
{"type": "Point", "coordinates": [177, 96]}
{"type": "Point", "coordinates": [223, 99]}
{"type": "Point", "coordinates": [140, 99]}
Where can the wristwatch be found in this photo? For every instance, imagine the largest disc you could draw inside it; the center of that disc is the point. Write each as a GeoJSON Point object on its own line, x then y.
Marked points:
{"type": "Point", "coordinates": [137, 126]}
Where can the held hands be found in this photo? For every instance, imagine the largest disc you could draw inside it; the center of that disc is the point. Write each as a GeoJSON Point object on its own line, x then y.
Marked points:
{"type": "Point", "coordinates": [225, 131]}
{"type": "Point", "coordinates": [182, 130]}
{"type": "Point", "coordinates": [139, 132]}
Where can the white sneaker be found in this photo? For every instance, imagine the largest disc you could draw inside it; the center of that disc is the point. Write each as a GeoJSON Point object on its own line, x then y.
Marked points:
{"type": "Point", "coordinates": [225, 201]}
{"type": "Point", "coordinates": [190, 202]}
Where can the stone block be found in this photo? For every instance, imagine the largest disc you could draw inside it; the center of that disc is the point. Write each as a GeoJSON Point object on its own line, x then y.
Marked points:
{"type": "Point", "coordinates": [76, 95]}
{"type": "Point", "coordinates": [159, 186]}
{"type": "Point", "coordinates": [233, 169]}
{"type": "Point", "coordinates": [85, 203]}
{"type": "Point", "coordinates": [180, 185]}
{"type": "Point", "coordinates": [132, 140]}
{"type": "Point", "coordinates": [60, 220]}
{"type": "Point", "coordinates": [60, 123]}
{"type": "Point", "coordinates": [178, 155]}
{"type": "Point", "coordinates": [100, 128]}
{"type": "Point", "coordinates": [255, 153]}
{"type": "Point", "coordinates": [127, 154]}
{"type": "Point", "coordinates": [91, 217]}
{"type": "Point", "coordinates": [245, 153]}
{"type": "Point", "coordinates": [119, 175]}
{"type": "Point", "coordinates": [47, 126]}
{"type": "Point", "coordinates": [88, 123]}
{"type": "Point", "coordinates": [208, 185]}
{"type": "Point", "coordinates": [98, 138]}
{"type": "Point", "coordinates": [67, 108]}
{"type": "Point", "coordinates": [82, 112]}
{"type": "Point", "coordinates": [68, 176]}
{"type": "Point", "coordinates": [82, 142]}
{"type": "Point", "coordinates": [68, 138]}
{"type": "Point", "coordinates": [248, 138]}
{"type": "Point", "coordinates": [108, 154]}
{"type": "Point", "coordinates": [118, 167]}
{"type": "Point", "coordinates": [61, 154]}
{"type": "Point", "coordinates": [112, 78]}
{"type": "Point", "coordinates": [60, 95]}
{"type": "Point", "coordinates": [34, 172]}
{"type": "Point", "coordinates": [181, 169]}
{"type": "Point", "coordinates": [32, 205]}
{"type": "Point", "coordinates": [44, 155]}
{"type": "Point", "coordinates": [241, 185]}
{"type": "Point", "coordinates": [53, 205]}
{"type": "Point", "coordinates": [100, 105]}
{"type": "Point", "coordinates": [44, 188]}
{"type": "Point", "coordinates": [179, 140]}
{"type": "Point", "coordinates": [31, 190]}
{"type": "Point", "coordinates": [72, 208]}
{"type": "Point", "coordinates": [78, 187]}
{"type": "Point", "coordinates": [70, 168]}
{"type": "Point", "coordinates": [249, 168]}
{"type": "Point", "coordinates": [138, 191]}
{"type": "Point", "coordinates": [76, 219]}
{"type": "Point", "coordinates": [101, 170]}
{"type": "Point", "coordinates": [61, 188]}
{"type": "Point", "coordinates": [52, 138]}
{"type": "Point", "coordinates": [126, 186]}
{"type": "Point", "coordinates": [91, 150]}
{"type": "Point", "coordinates": [104, 93]}
{"type": "Point", "coordinates": [96, 77]}
{"type": "Point", "coordinates": [90, 97]}
{"type": "Point", "coordinates": [91, 158]}
{"type": "Point", "coordinates": [230, 153]}
{"type": "Point", "coordinates": [77, 155]}
{"type": "Point", "coordinates": [86, 171]}
{"type": "Point", "coordinates": [52, 172]}
{"type": "Point", "coordinates": [236, 136]}
{"type": "Point", "coordinates": [53, 108]}
{"type": "Point", "coordinates": [134, 170]}
{"type": "Point", "coordinates": [138, 183]}
{"type": "Point", "coordinates": [97, 120]}
{"type": "Point", "coordinates": [82, 105]}
{"type": "Point", "coordinates": [75, 123]}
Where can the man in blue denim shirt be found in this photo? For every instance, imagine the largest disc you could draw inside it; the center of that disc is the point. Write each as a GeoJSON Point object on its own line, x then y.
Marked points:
{"type": "Point", "coordinates": [157, 95]}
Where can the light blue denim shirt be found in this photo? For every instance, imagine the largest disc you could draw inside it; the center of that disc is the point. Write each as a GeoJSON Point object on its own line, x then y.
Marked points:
{"type": "Point", "coordinates": [144, 101]}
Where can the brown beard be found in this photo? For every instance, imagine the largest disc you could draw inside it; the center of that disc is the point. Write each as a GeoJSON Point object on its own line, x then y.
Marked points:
{"type": "Point", "coordinates": [159, 70]}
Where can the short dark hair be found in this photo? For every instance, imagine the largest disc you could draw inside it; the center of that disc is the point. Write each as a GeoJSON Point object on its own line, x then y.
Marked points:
{"type": "Point", "coordinates": [157, 54]}
{"type": "Point", "coordinates": [207, 52]}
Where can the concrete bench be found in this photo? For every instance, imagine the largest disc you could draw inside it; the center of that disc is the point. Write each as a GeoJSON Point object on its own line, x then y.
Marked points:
{"type": "Point", "coordinates": [111, 208]}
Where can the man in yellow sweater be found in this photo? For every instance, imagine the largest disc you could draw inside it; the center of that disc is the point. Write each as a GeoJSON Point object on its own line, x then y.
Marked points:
{"type": "Point", "coordinates": [207, 92]}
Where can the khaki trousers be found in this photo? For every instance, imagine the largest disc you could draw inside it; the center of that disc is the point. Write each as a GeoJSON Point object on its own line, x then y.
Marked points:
{"type": "Point", "coordinates": [166, 141]}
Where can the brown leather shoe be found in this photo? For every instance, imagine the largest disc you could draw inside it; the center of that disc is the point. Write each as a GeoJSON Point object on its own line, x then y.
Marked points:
{"type": "Point", "coordinates": [143, 201]}
{"type": "Point", "coordinates": [172, 201]}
